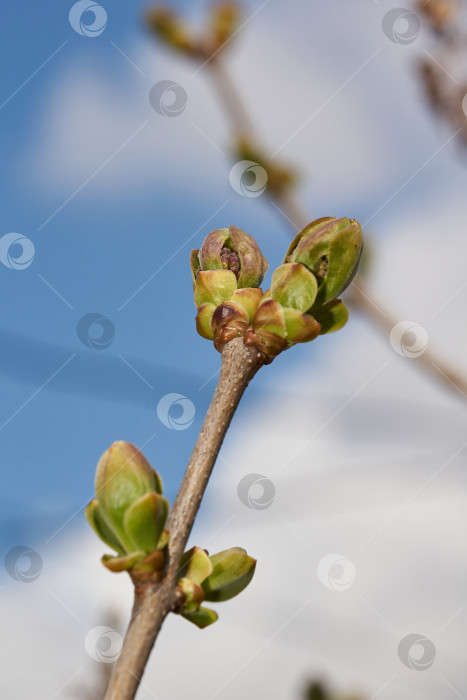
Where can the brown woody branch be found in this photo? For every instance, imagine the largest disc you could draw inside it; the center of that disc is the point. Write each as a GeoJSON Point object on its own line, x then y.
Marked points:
{"type": "Point", "coordinates": [153, 600]}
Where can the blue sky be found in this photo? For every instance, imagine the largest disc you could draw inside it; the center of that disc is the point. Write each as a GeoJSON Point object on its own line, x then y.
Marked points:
{"type": "Point", "coordinates": [95, 252]}
{"type": "Point", "coordinates": [114, 196]}
{"type": "Point", "coordinates": [122, 228]}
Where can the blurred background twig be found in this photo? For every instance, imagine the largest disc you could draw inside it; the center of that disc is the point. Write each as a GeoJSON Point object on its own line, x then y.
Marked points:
{"type": "Point", "coordinates": [208, 49]}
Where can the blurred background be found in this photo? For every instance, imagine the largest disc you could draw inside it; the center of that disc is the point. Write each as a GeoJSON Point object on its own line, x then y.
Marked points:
{"type": "Point", "coordinates": [344, 470]}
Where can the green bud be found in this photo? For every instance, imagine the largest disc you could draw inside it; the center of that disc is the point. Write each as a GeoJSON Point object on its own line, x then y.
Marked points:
{"type": "Point", "coordinates": [269, 318]}
{"type": "Point", "coordinates": [232, 571]}
{"type": "Point", "coordinates": [125, 563]}
{"type": "Point", "coordinates": [249, 298]}
{"type": "Point", "coordinates": [96, 520]}
{"type": "Point", "coordinates": [276, 327]}
{"type": "Point", "coordinates": [203, 617]}
{"type": "Point", "coordinates": [301, 328]}
{"type": "Point", "coordinates": [231, 249]}
{"type": "Point", "coordinates": [190, 593]}
{"type": "Point", "coordinates": [226, 272]}
{"type": "Point", "coordinates": [294, 286]}
{"type": "Point", "coordinates": [203, 321]}
{"type": "Point", "coordinates": [129, 512]}
{"type": "Point", "coordinates": [195, 565]}
{"type": "Point", "coordinates": [307, 231]}
{"type": "Point", "coordinates": [214, 287]}
{"type": "Point", "coordinates": [123, 475]}
{"type": "Point", "coordinates": [144, 521]}
{"type": "Point", "coordinates": [331, 249]}
{"type": "Point", "coordinates": [332, 317]}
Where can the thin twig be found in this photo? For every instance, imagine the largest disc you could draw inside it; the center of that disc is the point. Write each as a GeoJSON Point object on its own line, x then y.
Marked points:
{"type": "Point", "coordinates": [430, 361]}
{"type": "Point", "coordinates": [153, 601]}
{"type": "Point", "coordinates": [230, 98]}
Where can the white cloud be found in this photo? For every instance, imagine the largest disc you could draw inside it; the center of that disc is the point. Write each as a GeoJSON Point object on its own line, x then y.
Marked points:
{"type": "Point", "coordinates": [339, 133]}
{"type": "Point", "coordinates": [373, 437]}
{"type": "Point", "coordinates": [360, 488]}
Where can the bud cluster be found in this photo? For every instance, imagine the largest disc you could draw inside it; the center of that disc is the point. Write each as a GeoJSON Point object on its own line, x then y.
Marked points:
{"type": "Point", "coordinates": [129, 514]}
{"type": "Point", "coordinates": [302, 302]}
{"type": "Point", "coordinates": [213, 578]}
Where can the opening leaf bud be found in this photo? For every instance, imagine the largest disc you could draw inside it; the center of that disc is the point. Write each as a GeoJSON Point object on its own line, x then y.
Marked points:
{"type": "Point", "coordinates": [203, 617]}
{"type": "Point", "coordinates": [190, 594]}
{"type": "Point", "coordinates": [232, 249]}
{"type": "Point", "coordinates": [332, 317]}
{"type": "Point", "coordinates": [195, 565]}
{"type": "Point", "coordinates": [232, 571]}
{"type": "Point", "coordinates": [294, 286]}
{"type": "Point", "coordinates": [129, 513]}
{"type": "Point", "coordinates": [331, 249]}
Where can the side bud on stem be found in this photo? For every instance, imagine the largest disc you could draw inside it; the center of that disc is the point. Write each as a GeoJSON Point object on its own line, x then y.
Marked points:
{"type": "Point", "coordinates": [129, 512]}
{"type": "Point", "coordinates": [331, 249]}
{"type": "Point", "coordinates": [302, 302]}
{"type": "Point", "coordinates": [217, 578]}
